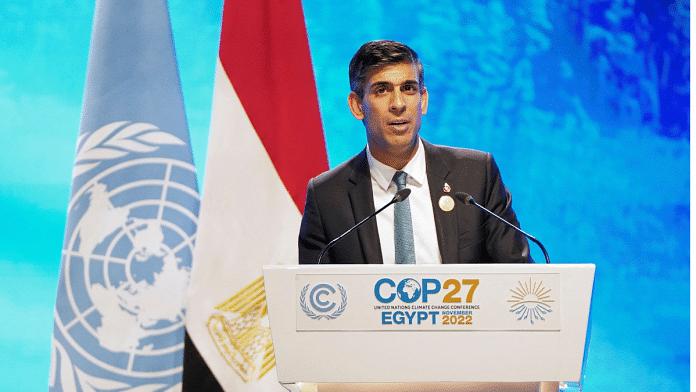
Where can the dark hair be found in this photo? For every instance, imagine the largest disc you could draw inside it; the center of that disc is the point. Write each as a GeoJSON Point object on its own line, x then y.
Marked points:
{"type": "Point", "coordinates": [377, 54]}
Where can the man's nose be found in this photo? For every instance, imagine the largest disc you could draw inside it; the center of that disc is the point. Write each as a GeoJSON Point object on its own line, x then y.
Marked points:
{"type": "Point", "coordinates": [398, 103]}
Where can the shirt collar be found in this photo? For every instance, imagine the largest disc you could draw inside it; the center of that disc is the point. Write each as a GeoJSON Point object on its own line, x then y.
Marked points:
{"type": "Point", "coordinates": [415, 169]}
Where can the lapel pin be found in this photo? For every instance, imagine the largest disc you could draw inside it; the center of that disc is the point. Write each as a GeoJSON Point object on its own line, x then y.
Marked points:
{"type": "Point", "coordinates": [446, 203]}
{"type": "Point", "coordinates": [447, 188]}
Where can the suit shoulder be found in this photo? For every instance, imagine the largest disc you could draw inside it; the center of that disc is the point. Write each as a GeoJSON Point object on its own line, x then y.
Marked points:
{"type": "Point", "coordinates": [451, 154]}
{"type": "Point", "coordinates": [340, 173]}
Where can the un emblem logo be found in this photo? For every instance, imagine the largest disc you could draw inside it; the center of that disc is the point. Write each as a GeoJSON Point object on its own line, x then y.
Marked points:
{"type": "Point", "coordinates": [321, 300]}
{"type": "Point", "coordinates": [126, 264]}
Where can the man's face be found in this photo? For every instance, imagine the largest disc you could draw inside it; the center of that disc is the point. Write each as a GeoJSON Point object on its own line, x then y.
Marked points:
{"type": "Point", "coordinates": [391, 109]}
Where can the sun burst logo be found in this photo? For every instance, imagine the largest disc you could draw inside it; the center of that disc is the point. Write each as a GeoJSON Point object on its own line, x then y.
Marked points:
{"type": "Point", "coordinates": [530, 301]}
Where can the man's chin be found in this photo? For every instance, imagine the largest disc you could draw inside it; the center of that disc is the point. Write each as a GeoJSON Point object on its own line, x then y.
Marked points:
{"type": "Point", "coordinates": [403, 145]}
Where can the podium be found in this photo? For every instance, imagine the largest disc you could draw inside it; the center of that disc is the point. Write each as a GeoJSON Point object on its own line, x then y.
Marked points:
{"type": "Point", "coordinates": [464, 327]}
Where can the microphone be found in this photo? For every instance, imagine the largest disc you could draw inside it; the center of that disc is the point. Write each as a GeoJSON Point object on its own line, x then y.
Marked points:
{"type": "Point", "coordinates": [398, 198]}
{"type": "Point", "coordinates": [467, 199]}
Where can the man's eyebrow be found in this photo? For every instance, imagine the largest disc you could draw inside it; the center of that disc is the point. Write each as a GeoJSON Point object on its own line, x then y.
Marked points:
{"type": "Point", "coordinates": [387, 84]}
{"type": "Point", "coordinates": [380, 84]}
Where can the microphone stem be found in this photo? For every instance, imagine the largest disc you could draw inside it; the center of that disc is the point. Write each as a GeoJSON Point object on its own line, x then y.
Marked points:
{"type": "Point", "coordinates": [546, 255]}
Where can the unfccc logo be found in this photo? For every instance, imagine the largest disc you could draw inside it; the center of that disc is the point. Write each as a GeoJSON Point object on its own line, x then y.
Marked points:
{"type": "Point", "coordinates": [321, 299]}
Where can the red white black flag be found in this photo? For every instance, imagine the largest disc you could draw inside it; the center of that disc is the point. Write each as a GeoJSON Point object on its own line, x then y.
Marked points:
{"type": "Point", "coordinates": [266, 142]}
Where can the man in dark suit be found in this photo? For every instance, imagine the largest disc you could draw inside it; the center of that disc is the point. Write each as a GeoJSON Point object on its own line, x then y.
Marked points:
{"type": "Point", "coordinates": [389, 96]}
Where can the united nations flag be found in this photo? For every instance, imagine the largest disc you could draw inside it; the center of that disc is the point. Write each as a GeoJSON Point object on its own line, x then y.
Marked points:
{"type": "Point", "coordinates": [132, 217]}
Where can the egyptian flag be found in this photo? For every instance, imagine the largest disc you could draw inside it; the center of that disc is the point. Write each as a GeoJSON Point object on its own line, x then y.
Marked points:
{"type": "Point", "coordinates": [266, 142]}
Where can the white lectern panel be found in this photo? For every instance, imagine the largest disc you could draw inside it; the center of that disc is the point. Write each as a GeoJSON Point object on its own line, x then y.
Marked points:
{"type": "Point", "coordinates": [360, 324]}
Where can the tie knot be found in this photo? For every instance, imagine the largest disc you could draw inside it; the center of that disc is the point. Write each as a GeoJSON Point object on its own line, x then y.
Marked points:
{"type": "Point", "coordinates": [400, 179]}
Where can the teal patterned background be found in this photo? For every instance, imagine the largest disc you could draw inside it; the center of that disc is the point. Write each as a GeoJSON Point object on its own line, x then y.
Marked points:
{"type": "Point", "coordinates": [584, 104]}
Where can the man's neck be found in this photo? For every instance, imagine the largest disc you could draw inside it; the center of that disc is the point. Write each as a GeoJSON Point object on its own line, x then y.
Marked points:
{"type": "Point", "coordinates": [394, 160]}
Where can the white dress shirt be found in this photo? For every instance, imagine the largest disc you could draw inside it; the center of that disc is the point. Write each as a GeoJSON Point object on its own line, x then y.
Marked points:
{"type": "Point", "coordinates": [383, 190]}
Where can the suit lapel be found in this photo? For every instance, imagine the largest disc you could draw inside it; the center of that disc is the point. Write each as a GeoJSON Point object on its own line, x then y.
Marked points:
{"type": "Point", "coordinates": [363, 205]}
{"type": "Point", "coordinates": [445, 221]}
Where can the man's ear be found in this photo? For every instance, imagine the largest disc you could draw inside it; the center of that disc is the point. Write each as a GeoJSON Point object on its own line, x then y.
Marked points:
{"type": "Point", "coordinates": [424, 101]}
{"type": "Point", "coordinates": [355, 105]}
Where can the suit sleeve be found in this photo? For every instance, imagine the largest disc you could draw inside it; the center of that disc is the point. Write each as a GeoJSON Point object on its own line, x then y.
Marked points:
{"type": "Point", "coordinates": [504, 244]}
{"type": "Point", "coordinates": [312, 237]}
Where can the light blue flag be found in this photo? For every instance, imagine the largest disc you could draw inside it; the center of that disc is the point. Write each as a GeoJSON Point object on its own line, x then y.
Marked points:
{"type": "Point", "coordinates": [132, 217]}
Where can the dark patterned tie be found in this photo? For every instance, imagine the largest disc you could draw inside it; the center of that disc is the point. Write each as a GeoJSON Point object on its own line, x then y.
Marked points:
{"type": "Point", "coordinates": [403, 226]}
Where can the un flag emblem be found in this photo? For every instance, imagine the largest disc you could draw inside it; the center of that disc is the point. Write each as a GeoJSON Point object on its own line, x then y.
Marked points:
{"type": "Point", "coordinates": [126, 259]}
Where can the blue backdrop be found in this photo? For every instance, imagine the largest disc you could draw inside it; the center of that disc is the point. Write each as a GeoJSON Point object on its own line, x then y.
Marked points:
{"type": "Point", "coordinates": [584, 103]}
